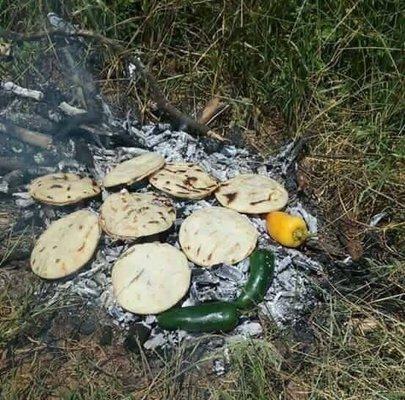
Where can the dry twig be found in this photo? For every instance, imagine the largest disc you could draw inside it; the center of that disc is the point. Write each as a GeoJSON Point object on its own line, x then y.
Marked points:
{"type": "Point", "coordinates": [20, 91]}
{"type": "Point", "coordinates": [211, 110]}
{"type": "Point", "coordinates": [184, 121]}
{"type": "Point", "coordinates": [26, 135]}
{"type": "Point", "coordinates": [10, 164]}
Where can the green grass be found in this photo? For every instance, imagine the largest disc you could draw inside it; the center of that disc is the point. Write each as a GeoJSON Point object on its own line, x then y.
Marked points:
{"type": "Point", "coordinates": [331, 71]}
{"type": "Point", "coordinates": [358, 351]}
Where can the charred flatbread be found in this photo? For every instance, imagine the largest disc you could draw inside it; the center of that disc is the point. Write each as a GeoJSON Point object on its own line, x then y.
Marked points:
{"type": "Point", "coordinates": [63, 188]}
{"type": "Point", "coordinates": [217, 235]}
{"type": "Point", "coordinates": [66, 246]}
{"type": "Point", "coordinates": [134, 170]}
{"type": "Point", "coordinates": [132, 215]}
{"type": "Point", "coordinates": [150, 278]}
{"type": "Point", "coordinates": [252, 194]}
{"type": "Point", "coordinates": [184, 180]}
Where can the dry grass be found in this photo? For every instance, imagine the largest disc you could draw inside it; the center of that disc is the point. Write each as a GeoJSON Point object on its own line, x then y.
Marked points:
{"type": "Point", "coordinates": [358, 351]}
{"type": "Point", "coordinates": [355, 351]}
{"type": "Point", "coordinates": [329, 72]}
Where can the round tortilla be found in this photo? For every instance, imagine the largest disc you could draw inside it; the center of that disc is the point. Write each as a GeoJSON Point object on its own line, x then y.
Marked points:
{"type": "Point", "coordinates": [150, 278]}
{"type": "Point", "coordinates": [134, 170]}
{"type": "Point", "coordinates": [252, 194]}
{"type": "Point", "coordinates": [62, 188]}
{"type": "Point", "coordinates": [66, 246]}
{"type": "Point", "coordinates": [183, 180]}
{"type": "Point", "coordinates": [217, 235]}
{"type": "Point", "coordinates": [132, 215]}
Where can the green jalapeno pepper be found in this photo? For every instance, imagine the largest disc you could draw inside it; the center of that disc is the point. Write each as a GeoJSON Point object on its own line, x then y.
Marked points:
{"type": "Point", "coordinates": [261, 271]}
{"type": "Point", "coordinates": [208, 317]}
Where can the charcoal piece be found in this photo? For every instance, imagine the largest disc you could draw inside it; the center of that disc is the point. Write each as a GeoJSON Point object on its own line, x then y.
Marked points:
{"type": "Point", "coordinates": [211, 145]}
{"type": "Point", "coordinates": [237, 137]}
{"type": "Point", "coordinates": [229, 273]}
{"type": "Point", "coordinates": [121, 138]}
{"type": "Point", "coordinates": [12, 180]}
{"type": "Point", "coordinates": [88, 326]}
{"type": "Point", "coordinates": [83, 154]}
{"type": "Point", "coordinates": [10, 164]}
{"type": "Point", "coordinates": [52, 96]}
{"type": "Point", "coordinates": [137, 335]}
{"type": "Point", "coordinates": [106, 336]}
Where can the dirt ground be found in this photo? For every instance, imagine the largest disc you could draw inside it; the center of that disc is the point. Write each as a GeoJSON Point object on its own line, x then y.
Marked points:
{"type": "Point", "coordinates": [328, 74]}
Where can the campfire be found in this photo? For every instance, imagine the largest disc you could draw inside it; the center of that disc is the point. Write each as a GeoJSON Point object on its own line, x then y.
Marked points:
{"type": "Point", "coordinates": [61, 161]}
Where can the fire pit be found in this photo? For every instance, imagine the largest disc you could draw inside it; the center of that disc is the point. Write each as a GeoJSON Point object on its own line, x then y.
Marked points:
{"type": "Point", "coordinates": [42, 130]}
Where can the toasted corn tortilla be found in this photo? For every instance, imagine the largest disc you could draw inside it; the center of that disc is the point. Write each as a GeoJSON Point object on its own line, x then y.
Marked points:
{"type": "Point", "coordinates": [188, 181]}
{"type": "Point", "coordinates": [134, 170]}
{"type": "Point", "coordinates": [217, 235]}
{"type": "Point", "coordinates": [132, 215]}
{"type": "Point", "coordinates": [66, 246]}
{"type": "Point", "coordinates": [252, 194]}
{"type": "Point", "coordinates": [63, 188]}
{"type": "Point", "coordinates": [150, 278]}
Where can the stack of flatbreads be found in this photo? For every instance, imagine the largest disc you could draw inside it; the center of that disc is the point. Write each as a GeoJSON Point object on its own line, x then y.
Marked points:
{"type": "Point", "coordinates": [152, 277]}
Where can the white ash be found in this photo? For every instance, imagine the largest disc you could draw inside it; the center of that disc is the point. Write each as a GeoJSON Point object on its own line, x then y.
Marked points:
{"type": "Point", "coordinates": [4, 187]}
{"type": "Point", "coordinates": [248, 329]}
{"type": "Point", "coordinates": [60, 24]}
{"type": "Point", "coordinates": [20, 91]}
{"type": "Point", "coordinates": [291, 292]}
{"type": "Point", "coordinates": [70, 110]}
{"type": "Point", "coordinates": [220, 366]}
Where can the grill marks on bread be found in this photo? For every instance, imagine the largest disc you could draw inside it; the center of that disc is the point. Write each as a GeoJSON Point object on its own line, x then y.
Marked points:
{"type": "Point", "coordinates": [63, 188]}
{"type": "Point", "coordinates": [128, 216]}
{"type": "Point", "coordinates": [184, 180]}
{"type": "Point", "coordinates": [66, 246]}
{"type": "Point", "coordinates": [252, 194]}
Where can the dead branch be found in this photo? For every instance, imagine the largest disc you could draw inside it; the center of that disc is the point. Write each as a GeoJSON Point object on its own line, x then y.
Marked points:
{"type": "Point", "coordinates": [211, 111]}
{"type": "Point", "coordinates": [10, 164]}
{"type": "Point", "coordinates": [157, 94]}
{"type": "Point", "coordinates": [26, 135]}
{"type": "Point", "coordinates": [20, 91]}
{"type": "Point", "coordinates": [37, 95]}
{"type": "Point", "coordinates": [70, 110]}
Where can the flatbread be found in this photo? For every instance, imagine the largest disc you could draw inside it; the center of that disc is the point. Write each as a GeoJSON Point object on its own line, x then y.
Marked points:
{"type": "Point", "coordinates": [217, 235]}
{"type": "Point", "coordinates": [132, 215]}
{"type": "Point", "coordinates": [62, 188]}
{"type": "Point", "coordinates": [150, 278]}
{"type": "Point", "coordinates": [252, 194]}
{"type": "Point", "coordinates": [184, 180]}
{"type": "Point", "coordinates": [67, 245]}
{"type": "Point", "coordinates": [134, 170]}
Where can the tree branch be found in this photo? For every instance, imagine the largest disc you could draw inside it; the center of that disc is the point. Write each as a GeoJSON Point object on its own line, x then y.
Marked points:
{"type": "Point", "coordinates": [185, 121]}
{"type": "Point", "coordinates": [26, 135]}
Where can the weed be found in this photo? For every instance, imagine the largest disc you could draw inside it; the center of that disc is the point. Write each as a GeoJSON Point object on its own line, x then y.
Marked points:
{"type": "Point", "coordinates": [331, 72]}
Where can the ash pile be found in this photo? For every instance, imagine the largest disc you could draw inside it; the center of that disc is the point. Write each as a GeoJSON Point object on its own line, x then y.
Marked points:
{"type": "Point", "coordinates": [63, 124]}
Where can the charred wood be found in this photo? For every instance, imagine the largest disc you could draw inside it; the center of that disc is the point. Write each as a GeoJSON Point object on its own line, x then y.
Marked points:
{"type": "Point", "coordinates": [10, 164]}
{"type": "Point", "coordinates": [181, 119]}
{"type": "Point", "coordinates": [25, 135]}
